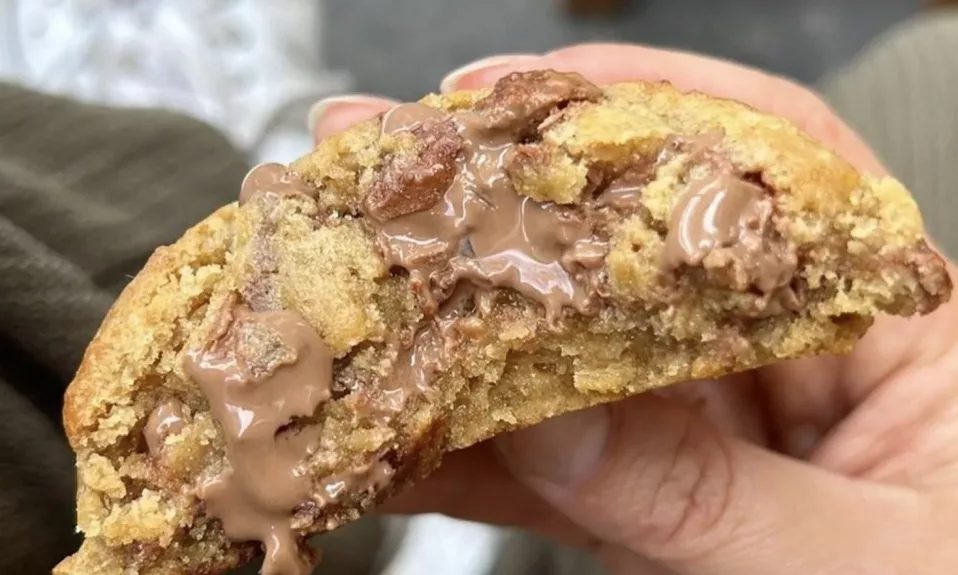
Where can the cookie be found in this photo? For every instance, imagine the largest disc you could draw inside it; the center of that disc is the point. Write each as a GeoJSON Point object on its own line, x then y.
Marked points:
{"type": "Point", "coordinates": [460, 267]}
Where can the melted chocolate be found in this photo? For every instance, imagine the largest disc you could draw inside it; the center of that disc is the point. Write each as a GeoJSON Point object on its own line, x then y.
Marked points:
{"type": "Point", "coordinates": [167, 419]}
{"type": "Point", "coordinates": [717, 211]}
{"type": "Point", "coordinates": [485, 233]}
{"type": "Point", "coordinates": [417, 362]}
{"type": "Point", "coordinates": [272, 178]}
{"type": "Point", "coordinates": [625, 192]}
{"type": "Point", "coordinates": [722, 221]}
{"type": "Point", "coordinates": [267, 370]}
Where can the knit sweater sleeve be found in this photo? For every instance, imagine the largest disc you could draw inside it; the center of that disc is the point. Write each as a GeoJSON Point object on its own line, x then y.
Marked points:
{"type": "Point", "coordinates": [86, 194]}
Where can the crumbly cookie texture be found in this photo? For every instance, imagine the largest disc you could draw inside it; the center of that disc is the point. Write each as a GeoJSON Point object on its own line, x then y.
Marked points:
{"type": "Point", "coordinates": [461, 267]}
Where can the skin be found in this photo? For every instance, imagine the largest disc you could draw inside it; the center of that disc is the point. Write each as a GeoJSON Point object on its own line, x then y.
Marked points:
{"type": "Point", "coordinates": [833, 465]}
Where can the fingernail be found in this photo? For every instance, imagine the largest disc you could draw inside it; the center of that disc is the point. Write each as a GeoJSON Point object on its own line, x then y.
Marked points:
{"type": "Point", "coordinates": [322, 108]}
{"type": "Point", "coordinates": [563, 451]}
{"type": "Point", "coordinates": [452, 80]}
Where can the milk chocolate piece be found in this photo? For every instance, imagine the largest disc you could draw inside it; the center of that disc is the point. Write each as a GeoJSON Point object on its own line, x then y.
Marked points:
{"type": "Point", "coordinates": [373, 476]}
{"type": "Point", "coordinates": [414, 367]}
{"type": "Point", "coordinates": [523, 100]}
{"type": "Point", "coordinates": [415, 182]}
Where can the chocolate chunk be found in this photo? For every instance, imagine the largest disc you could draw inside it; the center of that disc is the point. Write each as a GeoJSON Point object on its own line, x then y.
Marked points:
{"type": "Point", "coordinates": [521, 101]}
{"type": "Point", "coordinates": [365, 478]}
{"type": "Point", "coordinates": [260, 292]}
{"type": "Point", "coordinates": [523, 155]}
{"type": "Point", "coordinates": [724, 223]}
{"type": "Point", "coordinates": [935, 280]}
{"type": "Point", "coordinates": [414, 182]}
{"type": "Point", "coordinates": [595, 179]}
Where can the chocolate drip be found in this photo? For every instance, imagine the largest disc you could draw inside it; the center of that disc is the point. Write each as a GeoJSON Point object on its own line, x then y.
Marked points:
{"type": "Point", "coordinates": [267, 370]}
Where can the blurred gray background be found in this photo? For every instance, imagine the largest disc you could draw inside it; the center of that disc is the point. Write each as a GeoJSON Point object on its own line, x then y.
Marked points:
{"type": "Point", "coordinates": [402, 48]}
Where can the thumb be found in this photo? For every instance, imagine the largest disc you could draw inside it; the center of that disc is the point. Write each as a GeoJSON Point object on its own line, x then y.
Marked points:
{"type": "Point", "coordinates": [650, 476]}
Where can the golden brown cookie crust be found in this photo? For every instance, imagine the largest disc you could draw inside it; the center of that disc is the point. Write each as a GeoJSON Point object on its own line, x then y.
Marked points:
{"type": "Point", "coordinates": [862, 253]}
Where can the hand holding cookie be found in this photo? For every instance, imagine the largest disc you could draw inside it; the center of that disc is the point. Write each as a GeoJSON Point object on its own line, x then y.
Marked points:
{"type": "Point", "coordinates": [828, 465]}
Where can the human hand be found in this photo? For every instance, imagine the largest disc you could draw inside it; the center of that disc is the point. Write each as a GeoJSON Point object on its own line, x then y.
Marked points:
{"type": "Point", "coordinates": [833, 465]}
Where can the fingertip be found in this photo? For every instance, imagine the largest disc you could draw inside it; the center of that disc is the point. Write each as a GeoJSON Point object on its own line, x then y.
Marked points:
{"type": "Point", "coordinates": [560, 451]}
{"type": "Point", "coordinates": [335, 114]}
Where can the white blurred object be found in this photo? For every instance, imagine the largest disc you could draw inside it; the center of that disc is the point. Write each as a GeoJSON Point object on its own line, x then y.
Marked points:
{"type": "Point", "coordinates": [438, 544]}
{"type": "Point", "coordinates": [252, 68]}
